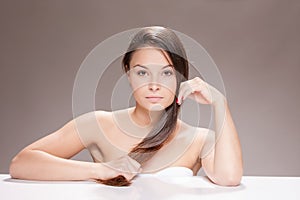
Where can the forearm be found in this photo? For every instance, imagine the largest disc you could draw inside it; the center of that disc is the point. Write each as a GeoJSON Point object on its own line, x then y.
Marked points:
{"type": "Point", "coordinates": [228, 154]}
{"type": "Point", "coordinates": [39, 165]}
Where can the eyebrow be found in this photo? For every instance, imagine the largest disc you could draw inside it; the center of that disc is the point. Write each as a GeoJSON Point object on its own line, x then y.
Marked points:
{"type": "Point", "coordinates": [138, 65]}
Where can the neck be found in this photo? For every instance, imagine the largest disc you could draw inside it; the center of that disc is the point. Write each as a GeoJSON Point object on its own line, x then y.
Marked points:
{"type": "Point", "coordinates": [144, 117]}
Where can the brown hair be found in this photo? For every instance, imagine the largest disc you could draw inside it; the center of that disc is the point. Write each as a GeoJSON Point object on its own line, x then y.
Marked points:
{"type": "Point", "coordinates": [167, 41]}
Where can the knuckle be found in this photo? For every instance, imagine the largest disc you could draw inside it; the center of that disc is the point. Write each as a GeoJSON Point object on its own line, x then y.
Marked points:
{"type": "Point", "coordinates": [181, 84]}
{"type": "Point", "coordinates": [128, 176]}
{"type": "Point", "coordinates": [198, 80]}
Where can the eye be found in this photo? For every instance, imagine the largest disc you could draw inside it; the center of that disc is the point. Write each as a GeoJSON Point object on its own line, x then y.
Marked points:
{"type": "Point", "coordinates": [168, 73]}
{"type": "Point", "coordinates": [141, 73]}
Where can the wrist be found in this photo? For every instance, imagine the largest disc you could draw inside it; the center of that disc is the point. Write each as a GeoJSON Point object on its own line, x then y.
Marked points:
{"type": "Point", "coordinates": [100, 171]}
{"type": "Point", "coordinates": [219, 100]}
{"type": "Point", "coordinates": [96, 171]}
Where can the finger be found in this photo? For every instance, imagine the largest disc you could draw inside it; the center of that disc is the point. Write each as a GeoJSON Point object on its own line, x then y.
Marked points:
{"type": "Point", "coordinates": [129, 176]}
{"type": "Point", "coordinates": [118, 164]}
{"type": "Point", "coordinates": [188, 89]}
{"type": "Point", "coordinates": [132, 164]}
{"type": "Point", "coordinates": [129, 165]}
{"type": "Point", "coordinates": [186, 93]}
{"type": "Point", "coordinates": [184, 86]}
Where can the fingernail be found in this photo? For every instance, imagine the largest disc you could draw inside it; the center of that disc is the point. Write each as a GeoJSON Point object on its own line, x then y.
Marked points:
{"type": "Point", "coordinates": [177, 101]}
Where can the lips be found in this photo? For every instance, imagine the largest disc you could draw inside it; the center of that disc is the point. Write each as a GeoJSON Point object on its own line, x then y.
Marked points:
{"type": "Point", "coordinates": [154, 99]}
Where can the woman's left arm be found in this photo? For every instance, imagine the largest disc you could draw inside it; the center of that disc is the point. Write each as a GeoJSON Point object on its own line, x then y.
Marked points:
{"type": "Point", "coordinates": [223, 164]}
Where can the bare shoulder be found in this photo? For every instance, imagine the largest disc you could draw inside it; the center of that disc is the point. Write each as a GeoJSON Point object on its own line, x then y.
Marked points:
{"type": "Point", "coordinates": [102, 114]}
{"type": "Point", "coordinates": [194, 129]}
{"type": "Point", "coordinates": [104, 118]}
{"type": "Point", "coordinates": [107, 118]}
{"type": "Point", "coordinates": [199, 133]}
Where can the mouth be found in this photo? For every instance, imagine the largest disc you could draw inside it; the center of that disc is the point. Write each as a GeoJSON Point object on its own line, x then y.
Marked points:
{"type": "Point", "coordinates": [154, 99]}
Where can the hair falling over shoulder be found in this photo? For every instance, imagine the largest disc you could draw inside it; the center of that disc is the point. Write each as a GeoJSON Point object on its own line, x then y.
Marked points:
{"type": "Point", "coordinates": [166, 40]}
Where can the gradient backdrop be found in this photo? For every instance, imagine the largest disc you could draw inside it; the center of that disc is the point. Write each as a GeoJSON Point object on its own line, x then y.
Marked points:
{"type": "Point", "coordinates": [255, 44]}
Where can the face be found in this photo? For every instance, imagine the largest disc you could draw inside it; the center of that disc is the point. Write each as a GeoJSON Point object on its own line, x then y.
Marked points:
{"type": "Point", "coordinates": [152, 78]}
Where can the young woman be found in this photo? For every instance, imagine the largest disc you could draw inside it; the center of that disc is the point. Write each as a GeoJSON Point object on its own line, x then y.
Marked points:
{"type": "Point", "coordinates": [146, 138]}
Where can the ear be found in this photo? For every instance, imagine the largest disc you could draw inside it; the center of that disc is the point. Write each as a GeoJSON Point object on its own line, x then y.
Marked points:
{"type": "Point", "coordinates": [128, 77]}
{"type": "Point", "coordinates": [127, 69]}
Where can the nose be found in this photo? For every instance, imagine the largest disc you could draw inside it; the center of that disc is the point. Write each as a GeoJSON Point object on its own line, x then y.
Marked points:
{"type": "Point", "coordinates": [154, 86]}
{"type": "Point", "coordinates": [154, 83]}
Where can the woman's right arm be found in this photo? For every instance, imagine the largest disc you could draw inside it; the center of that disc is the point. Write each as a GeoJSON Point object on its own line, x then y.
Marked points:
{"type": "Point", "coordinates": [49, 158]}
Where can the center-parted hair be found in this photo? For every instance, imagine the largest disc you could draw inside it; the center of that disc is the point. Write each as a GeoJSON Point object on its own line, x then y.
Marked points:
{"type": "Point", "coordinates": [167, 41]}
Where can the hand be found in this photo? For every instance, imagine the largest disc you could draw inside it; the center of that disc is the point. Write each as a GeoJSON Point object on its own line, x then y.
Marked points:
{"type": "Point", "coordinates": [124, 166]}
{"type": "Point", "coordinates": [198, 90]}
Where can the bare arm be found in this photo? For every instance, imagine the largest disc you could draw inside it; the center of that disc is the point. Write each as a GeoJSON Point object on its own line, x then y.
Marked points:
{"type": "Point", "coordinates": [49, 159]}
{"type": "Point", "coordinates": [223, 164]}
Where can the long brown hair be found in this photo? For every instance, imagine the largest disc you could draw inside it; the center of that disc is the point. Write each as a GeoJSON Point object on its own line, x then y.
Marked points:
{"type": "Point", "coordinates": [167, 41]}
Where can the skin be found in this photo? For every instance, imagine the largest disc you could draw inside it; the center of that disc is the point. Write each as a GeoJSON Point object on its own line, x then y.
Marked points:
{"type": "Point", "coordinates": [49, 157]}
{"type": "Point", "coordinates": [151, 75]}
{"type": "Point", "coordinates": [223, 164]}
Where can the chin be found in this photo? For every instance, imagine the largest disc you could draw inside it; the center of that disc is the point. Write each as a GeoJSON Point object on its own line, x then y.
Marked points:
{"type": "Point", "coordinates": [156, 107]}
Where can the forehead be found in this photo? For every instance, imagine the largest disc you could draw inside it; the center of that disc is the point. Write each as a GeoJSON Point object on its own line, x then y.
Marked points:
{"type": "Point", "coordinates": [150, 56]}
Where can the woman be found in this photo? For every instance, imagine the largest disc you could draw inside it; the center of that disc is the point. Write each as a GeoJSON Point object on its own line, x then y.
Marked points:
{"type": "Point", "coordinates": [147, 138]}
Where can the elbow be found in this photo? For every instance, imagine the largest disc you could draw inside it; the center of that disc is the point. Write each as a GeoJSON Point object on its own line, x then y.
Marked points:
{"type": "Point", "coordinates": [229, 179]}
{"type": "Point", "coordinates": [13, 167]}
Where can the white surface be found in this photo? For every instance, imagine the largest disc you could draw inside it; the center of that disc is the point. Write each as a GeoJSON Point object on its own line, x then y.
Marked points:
{"type": "Point", "coordinates": [175, 171]}
{"type": "Point", "coordinates": [152, 187]}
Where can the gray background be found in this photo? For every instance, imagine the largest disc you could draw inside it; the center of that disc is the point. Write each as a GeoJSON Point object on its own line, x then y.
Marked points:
{"type": "Point", "coordinates": [255, 44]}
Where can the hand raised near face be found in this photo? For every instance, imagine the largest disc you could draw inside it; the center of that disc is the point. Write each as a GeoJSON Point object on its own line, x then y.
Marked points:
{"type": "Point", "coordinates": [198, 90]}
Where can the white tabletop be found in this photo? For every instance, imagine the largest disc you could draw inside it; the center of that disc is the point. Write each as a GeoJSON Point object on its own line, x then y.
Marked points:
{"type": "Point", "coordinates": [196, 187]}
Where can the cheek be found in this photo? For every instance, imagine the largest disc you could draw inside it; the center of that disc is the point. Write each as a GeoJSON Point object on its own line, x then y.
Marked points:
{"type": "Point", "coordinates": [169, 91]}
{"type": "Point", "coordinates": [139, 92]}
{"type": "Point", "coordinates": [137, 84]}
{"type": "Point", "coordinates": [170, 86]}
{"type": "Point", "coordinates": [170, 94]}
